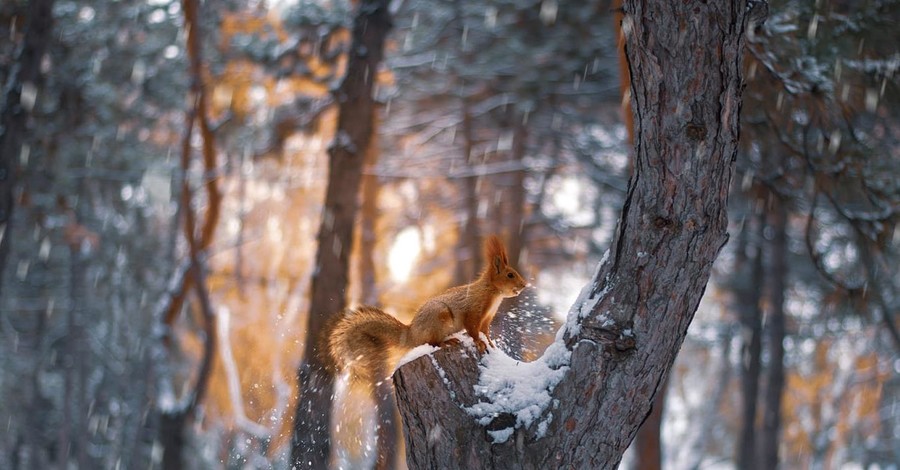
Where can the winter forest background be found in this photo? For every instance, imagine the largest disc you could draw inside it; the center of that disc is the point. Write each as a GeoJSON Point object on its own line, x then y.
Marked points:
{"type": "Point", "coordinates": [126, 121]}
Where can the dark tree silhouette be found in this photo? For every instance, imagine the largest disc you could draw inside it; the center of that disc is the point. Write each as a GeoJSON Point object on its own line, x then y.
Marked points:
{"type": "Point", "coordinates": [20, 95]}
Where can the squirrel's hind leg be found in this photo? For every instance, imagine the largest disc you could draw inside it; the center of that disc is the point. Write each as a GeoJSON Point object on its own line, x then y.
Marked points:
{"type": "Point", "coordinates": [435, 322]}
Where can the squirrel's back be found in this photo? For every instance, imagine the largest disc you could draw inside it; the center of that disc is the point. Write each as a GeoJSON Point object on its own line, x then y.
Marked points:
{"type": "Point", "coordinates": [362, 342]}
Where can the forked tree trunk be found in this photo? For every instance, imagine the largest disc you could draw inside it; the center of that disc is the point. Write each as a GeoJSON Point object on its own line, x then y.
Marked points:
{"type": "Point", "coordinates": [624, 331]}
{"type": "Point", "coordinates": [310, 441]}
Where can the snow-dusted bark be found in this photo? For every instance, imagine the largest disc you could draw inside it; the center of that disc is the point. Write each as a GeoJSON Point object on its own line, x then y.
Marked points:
{"type": "Point", "coordinates": [580, 405]}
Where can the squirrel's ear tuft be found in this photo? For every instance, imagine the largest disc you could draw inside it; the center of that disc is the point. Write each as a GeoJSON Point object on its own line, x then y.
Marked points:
{"type": "Point", "coordinates": [495, 252]}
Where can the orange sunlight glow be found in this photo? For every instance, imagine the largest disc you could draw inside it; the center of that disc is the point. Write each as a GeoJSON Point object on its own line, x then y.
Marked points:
{"type": "Point", "coordinates": [403, 254]}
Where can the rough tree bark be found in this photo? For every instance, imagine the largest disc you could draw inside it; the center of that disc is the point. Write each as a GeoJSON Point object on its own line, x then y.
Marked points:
{"type": "Point", "coordinates": [310, 442]}
{"type": "Point", "coordinates": [21, 92]}
{"type": "Point", "coordinates": [627, 326]}
{"type": "Point", "coordinates": [648, 441]}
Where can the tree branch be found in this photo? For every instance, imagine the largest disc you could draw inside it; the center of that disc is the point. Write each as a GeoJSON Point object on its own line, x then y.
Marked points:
{"type": "Point", "coordinates": [174, 420]}
{"type": "Point", "coordinates": [197, 112]}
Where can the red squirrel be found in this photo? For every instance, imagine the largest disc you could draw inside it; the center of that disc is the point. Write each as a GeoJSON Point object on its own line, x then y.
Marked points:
{"type": "Point", "coordinates": [363, 339]}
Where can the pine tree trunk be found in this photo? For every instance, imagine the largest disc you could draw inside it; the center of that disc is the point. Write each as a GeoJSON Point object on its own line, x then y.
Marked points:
{"type": "Point", "coordinates": [310, 442]}
{"type": "Point", "coordinates": [685, 61]}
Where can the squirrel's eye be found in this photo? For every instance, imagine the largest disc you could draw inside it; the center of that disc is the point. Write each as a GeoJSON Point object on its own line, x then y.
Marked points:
{"type": "Point", "coordinates": [510, 275]}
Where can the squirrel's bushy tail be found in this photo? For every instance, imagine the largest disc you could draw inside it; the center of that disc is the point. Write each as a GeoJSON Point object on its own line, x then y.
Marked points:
{"type": "Point", "coordinates": [361, 343]}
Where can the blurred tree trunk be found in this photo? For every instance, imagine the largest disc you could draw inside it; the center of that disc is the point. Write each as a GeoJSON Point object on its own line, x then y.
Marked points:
{"type": "Point", "coordinates": [515, 219]}
{"type": "Point", "coordinates": [468, 247]}
{"type": "Point", "coordinates": [368, 223]}
{"type": "Point", "coordinates": [637, 308]}
{"type": "Point", "coordinates": [508, 216]}
{"type": "Point", "coordinates": [74, 428]}
{"type": "Point", "coordinates": [241, 223]}
{"type": "Point", "coordinates": [648, 441]}
{"type": "Point", "coordinates": [21, 93]}
{"type": "Point", "coordinates": [174, 421]}
{"type": "Point", "coordinates": [697, 448]}
{"type": "Point", "coordinates": [468, 254]}
{"type": "Point", "coordinates": [771, 425]}
{"type": "Point", "coordinates": [748, 274]}
{"type": "Point", "coordinates": [511, 222]}
{"type": "Point", "coordinates": [388, 429]}
{"type": "Point", "coordinates": [310, 442]}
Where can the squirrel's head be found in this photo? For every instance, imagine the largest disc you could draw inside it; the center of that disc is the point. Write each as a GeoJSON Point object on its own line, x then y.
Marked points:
{"type": "Point", "coordinates": [501, 275]}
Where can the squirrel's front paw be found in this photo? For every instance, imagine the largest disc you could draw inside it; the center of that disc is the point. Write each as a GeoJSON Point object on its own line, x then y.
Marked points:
{"type": "Point", "coordinates": [481, 346]}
